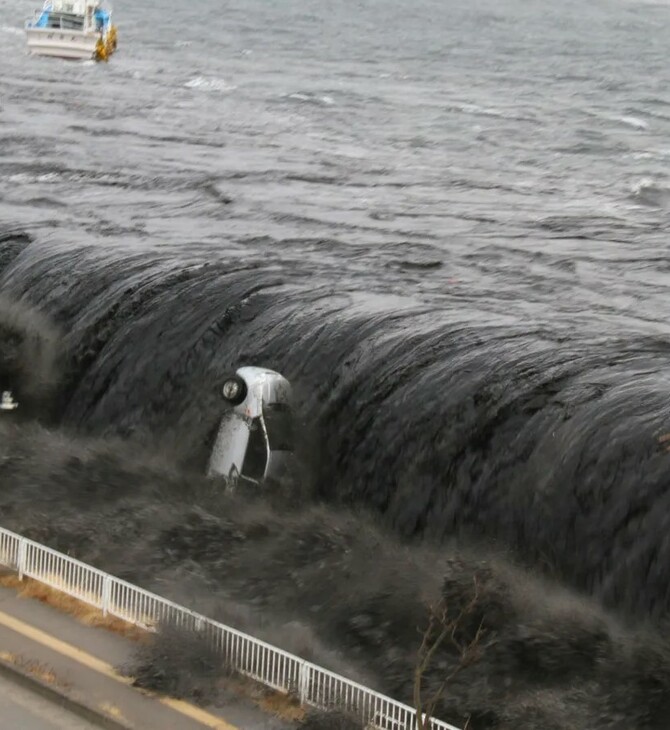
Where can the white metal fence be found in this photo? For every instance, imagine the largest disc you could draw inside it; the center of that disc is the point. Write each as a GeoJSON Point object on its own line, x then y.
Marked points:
{"type": "Point", "coordinates": [240, 652]}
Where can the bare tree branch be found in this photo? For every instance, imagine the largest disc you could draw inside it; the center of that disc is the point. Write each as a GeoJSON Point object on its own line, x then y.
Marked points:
{"type": "Point", "coordinates": [441, 628]}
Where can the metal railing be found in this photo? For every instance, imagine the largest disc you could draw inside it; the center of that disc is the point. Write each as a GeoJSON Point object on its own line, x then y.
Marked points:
{"type": "Point", "coordinates": [58, 22]}
{"type": "Point", "coordinates": [240, 652]}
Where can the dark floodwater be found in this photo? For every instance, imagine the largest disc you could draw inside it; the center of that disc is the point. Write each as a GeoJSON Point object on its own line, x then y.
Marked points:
{"type": "Point", "coordinates": [446, 222]}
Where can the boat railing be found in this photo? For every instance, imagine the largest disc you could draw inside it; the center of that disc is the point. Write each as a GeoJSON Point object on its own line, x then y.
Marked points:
{"type": "Point", "coordinates": [34, 19]}
{"type": "Point", "coordinates": [58, 21]}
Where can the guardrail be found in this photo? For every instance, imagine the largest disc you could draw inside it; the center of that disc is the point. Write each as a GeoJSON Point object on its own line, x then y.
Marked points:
{"type": "Point", "coordinates": [56, 21]}
{"type": "Point", "coordinates": [244, 654]}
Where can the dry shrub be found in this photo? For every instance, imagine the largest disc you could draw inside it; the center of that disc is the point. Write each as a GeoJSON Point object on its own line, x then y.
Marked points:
{"type": "Point", "coordinates": [182, 663]}
{"type": "Point", "coordinates": [286, 707]}
{"type": "Point", "coordinates": [330, 720]}
{"type": "Point", "coordinates": [179, 663]}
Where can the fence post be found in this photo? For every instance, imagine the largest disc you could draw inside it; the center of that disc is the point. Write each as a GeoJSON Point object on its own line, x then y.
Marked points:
{"type": "Point", "coordinates": [21, 557]}
{"type": "Point", "coordinates": [303, 681]}
{"type": "Point", "coordinates": [106, 593]}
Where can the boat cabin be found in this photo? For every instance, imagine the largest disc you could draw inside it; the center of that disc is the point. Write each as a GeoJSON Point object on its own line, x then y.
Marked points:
{"type": "Point", "coordinates": [80, 15]}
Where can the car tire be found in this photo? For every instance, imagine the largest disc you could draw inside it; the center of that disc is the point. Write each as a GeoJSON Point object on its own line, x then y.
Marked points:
{"type": "Point", "coordinates": [234, 390]}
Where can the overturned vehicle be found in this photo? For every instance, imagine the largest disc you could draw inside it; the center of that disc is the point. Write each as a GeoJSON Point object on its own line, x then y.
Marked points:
{"type": "Point", "coordinates": [254, 443]}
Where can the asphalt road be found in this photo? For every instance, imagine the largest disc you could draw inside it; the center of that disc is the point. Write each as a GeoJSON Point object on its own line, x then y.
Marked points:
{"type": "Point", "coordinates": [26, 710]}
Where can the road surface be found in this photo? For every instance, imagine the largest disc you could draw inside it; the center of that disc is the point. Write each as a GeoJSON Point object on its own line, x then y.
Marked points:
{"type": "Point", "coordinates": [26, 710]}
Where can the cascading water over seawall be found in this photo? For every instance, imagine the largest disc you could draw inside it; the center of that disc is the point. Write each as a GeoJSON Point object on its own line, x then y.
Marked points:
{"type": "Point", "coordinates": [434, 450]}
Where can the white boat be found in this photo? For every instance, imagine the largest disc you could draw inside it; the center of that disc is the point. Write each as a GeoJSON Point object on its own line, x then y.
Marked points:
{"type": "Point", "coordinates": [77, 29]}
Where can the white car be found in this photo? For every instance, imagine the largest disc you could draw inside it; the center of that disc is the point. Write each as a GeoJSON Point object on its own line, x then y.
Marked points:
{"type": "Point", "coordinates": [254, 443]}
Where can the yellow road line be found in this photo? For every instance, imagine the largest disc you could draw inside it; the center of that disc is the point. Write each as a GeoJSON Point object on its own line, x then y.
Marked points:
{"type": "Point", "coordinates": [97, 665]}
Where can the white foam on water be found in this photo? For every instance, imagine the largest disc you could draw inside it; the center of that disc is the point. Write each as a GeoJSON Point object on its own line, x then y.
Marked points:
{"type": "Point", "coordinates": [634, 122]}
{"type": "Point", "coordinates": [312, 98]}
{"type": "Point", "coordinates": [12, 30]}
{"type": "Point", "coordinates": [205, 84]}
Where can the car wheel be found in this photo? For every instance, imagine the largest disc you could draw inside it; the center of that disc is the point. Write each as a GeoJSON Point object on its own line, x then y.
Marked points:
{"type": "Point", "coordinates": [234, 390]}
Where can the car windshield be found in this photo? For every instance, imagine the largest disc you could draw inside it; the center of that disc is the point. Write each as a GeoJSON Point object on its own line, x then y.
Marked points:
{"type": "Point", "coordinates": [279, 425]}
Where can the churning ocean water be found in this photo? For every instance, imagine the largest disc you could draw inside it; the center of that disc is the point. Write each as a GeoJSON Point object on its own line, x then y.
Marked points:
{"type": "Point", "coordinates": [447, 223]}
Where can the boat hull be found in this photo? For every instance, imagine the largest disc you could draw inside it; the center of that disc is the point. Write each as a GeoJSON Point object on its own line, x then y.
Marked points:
{"type": "Point", "coordinates": [70, 44]}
